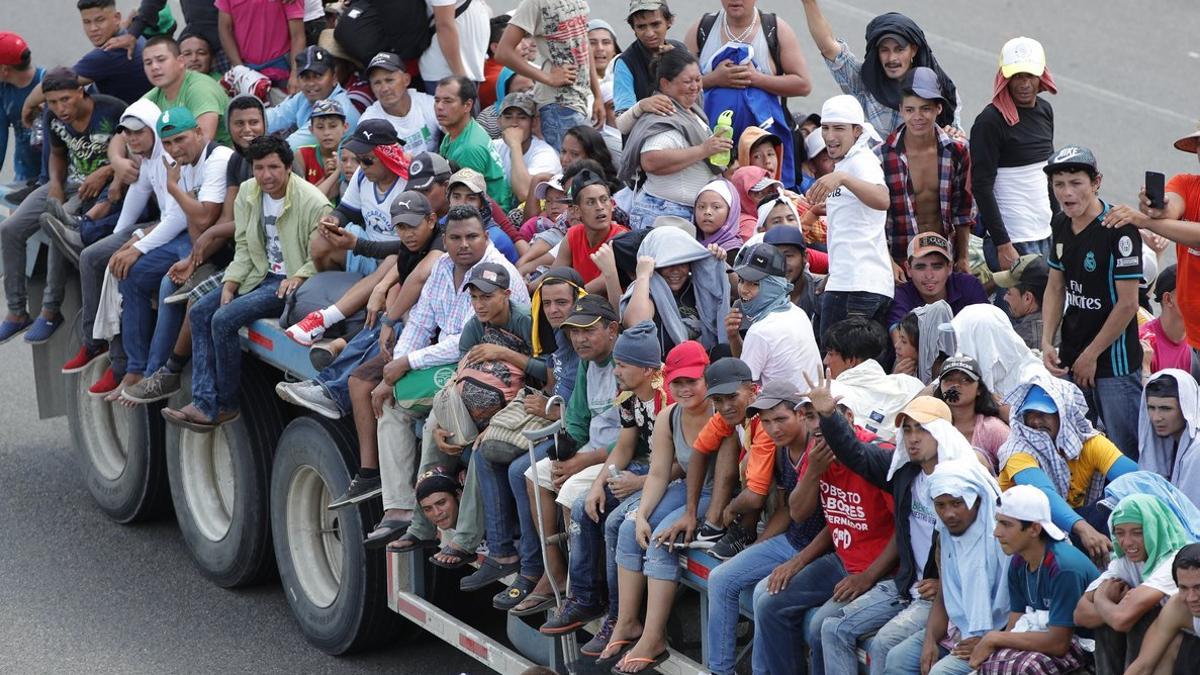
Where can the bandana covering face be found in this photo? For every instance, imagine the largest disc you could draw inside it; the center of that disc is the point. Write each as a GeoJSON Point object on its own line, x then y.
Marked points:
{"type": "Point", "coordinates": [773, 296]}
{"type": "Point", "coordinates": [1162, 533]}
{"type": "Point", "coordinates": [394, 158]}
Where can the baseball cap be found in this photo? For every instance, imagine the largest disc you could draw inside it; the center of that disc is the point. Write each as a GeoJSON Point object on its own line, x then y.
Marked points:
{"type": "Point", "coordinates": [327, 107]}
{"type": "Point", "coordinates": [131, 122]}
{"type": "Point", "coordinates": [925, 409]}
{"type": "Point", "coordinates": [385, 60]}
{"type": "Point", "coordinates": [519, 100]}
{"type": "Point", "coordinates": [175, 121]}
{"type": "Point", "coordinates": [963, 364]}
{"type": "Point", "coordinates": [1037, 400]}
{"type": "Point", "coordinates": [774, 393]}
{"type": "Point", "coordinates": [764, 183]}
{"type": "Point", "coordinates": [926, 243]}
{"type": "Point", "coordinates": [489, 277]}
{"type": "Point", "coordinates": [314, 59]}
{"type": "Point", "coordinates": [370, 134]}
{"type": "Point", "coordinates": [1072, 158]}
{"type": "Point", "coordinates": [924, 82]}
{"type": "Point", "coordinates": [554, 183]}
{"type": "Point", "coordinates": [471, 178]}
{"type": "Point", "coordinates": [584, 179]}
{"type": "Point", "coordinates": [12, 48]}
{"type": "Point", "coordinates": [1022, 55]}
{"type": "Point", "coordinates": [725, 375]}
{"type": "Point", "coordinates": [588, 310]}
{"type": "Point", "coordinates": [759, 261]}
{"type": "Point", "coordinates": [426, 169]}
{"type": "Point", "coordinates": [1025, 502]}
{"type": "Point", "coordinates": [1030, 270]}
{"type": "Point", "coordinates": [636, 6]}
{"type": "Point", "coordinates": [1165, 283]}
{"type": "Point", "coordinates": [785, 236]}
{"type": "Point", "coordinates": [410, 208]}
{"type": "Point", "coordinates": [687, 359]}
{"type": "Point", "coordinates": [814, 143]}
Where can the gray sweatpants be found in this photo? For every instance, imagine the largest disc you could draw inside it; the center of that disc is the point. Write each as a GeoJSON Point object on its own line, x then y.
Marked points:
{"type": "Point", "coordinates": [15, 232]}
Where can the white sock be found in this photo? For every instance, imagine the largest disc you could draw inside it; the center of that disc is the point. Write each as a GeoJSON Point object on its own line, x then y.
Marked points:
{"type": "Point", "coordinates": [332, 315]}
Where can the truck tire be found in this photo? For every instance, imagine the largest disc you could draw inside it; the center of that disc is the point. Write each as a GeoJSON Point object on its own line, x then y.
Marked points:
{"type": "Point", "coordinates": [120, 450]}
{"type": "Point", "coordinates": [335, 587]}
{"type": "Point", "coordinates": [220, 485]}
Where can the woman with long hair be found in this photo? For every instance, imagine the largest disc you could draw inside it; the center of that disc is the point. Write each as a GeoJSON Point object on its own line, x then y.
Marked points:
{"type": "Point", "coordinates": [973, 408]}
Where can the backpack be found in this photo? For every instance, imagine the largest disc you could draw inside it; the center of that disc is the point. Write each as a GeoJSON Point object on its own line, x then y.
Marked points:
{"type": "Point", "coordinates": [402, 27]}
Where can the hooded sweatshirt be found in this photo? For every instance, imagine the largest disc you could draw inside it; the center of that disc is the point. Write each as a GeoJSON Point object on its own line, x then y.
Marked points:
{"type": "Point", "coordinates": [752, 135]}
{"type": "Point", "coordinates": [138, 194]}
{"type": "Point", "coordinates": [876, 396]}
{"type": "Point", "coordinates": [1176, 460]}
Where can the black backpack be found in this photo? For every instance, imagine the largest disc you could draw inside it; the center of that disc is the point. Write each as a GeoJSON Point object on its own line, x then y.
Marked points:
{"type": "Point", "coordinates": [402, 27]}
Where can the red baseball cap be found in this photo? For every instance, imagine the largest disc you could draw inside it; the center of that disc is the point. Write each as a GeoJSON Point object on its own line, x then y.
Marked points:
{"type": "Point", "coordinates": [687, 359]}
{"type": "Point", "coordinates": [12, 48]}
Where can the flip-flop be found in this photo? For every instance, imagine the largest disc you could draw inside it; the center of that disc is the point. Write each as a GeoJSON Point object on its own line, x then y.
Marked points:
{"type": "Point", "coordinates": [182, 419]}
{"type": "Point", "coordinates": [514, 595]}
{"type": "Point", "coordinates": [625, 645]}
{"type": "Point", "coordinates": [489, 571]}
{"type": "Point", "coordinates": [545, 602]}
{"type": "Point", "coordinates": [388, 530]}
{"type": "Point", "coordinates": [461, 558]}
{"type": "Point", "coordinates": [408, 542]}
{"type": "Point", "coordinates": [650, 663]}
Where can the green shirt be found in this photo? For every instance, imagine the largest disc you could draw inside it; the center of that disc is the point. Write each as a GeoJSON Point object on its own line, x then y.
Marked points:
{"type": "Point", "coordinates": [473, 149]}
{"type": "Point", "coordinates": [200, 94]}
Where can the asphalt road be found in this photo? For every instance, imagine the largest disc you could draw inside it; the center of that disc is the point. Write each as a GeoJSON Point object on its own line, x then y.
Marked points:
{"type": "Point", "coordinates": [79, 593]}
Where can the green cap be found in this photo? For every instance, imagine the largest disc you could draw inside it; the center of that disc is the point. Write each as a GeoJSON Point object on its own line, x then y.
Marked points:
{"type": "Point", "coordinates": [175, 121]}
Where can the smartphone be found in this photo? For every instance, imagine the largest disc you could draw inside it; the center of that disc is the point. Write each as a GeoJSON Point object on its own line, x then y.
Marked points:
{"type": "Point", "coordinates": [1156, 190]}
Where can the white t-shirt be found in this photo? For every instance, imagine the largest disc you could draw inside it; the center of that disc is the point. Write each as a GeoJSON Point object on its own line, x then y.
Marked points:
{"type": "Point", "coordinates": [418, 129]}
{"type": "Point", "coordinates": [376, 208]}
{"type": "Point", "coordinates": [271, 210]}
{"type": "Point", "coordinates": [474, 31]}
{"type": "Point", "coordinates": [313, 9]}
{"type": "Point", "coordinates": [921, 521]}
{"type": "Point", "coordinates": [682, 186]}
{"type": "Point", "coordinates": [539, 158]}
{"type": "Point", "coordinates": [205, 181]}
{"type": "Point", "coordinates": [1131, 573]}
{"type": "Point", "coordinates": [782, 346]}
{"type": "Point", "coordinates": [858, 252]}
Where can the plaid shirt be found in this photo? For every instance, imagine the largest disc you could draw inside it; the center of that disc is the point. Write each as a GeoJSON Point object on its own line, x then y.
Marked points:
{"type": "Point", "coordinates": [957, 206]}
{"type": "Point", "coordinates": [444, 309]}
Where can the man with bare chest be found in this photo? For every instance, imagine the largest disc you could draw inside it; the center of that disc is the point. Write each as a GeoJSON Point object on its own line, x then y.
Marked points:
{"type": "Point", "coordinates": [926, 171]}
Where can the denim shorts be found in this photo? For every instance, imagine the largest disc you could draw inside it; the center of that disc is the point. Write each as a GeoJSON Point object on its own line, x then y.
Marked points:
{"type": "Point", "coordinates": [647, 207]}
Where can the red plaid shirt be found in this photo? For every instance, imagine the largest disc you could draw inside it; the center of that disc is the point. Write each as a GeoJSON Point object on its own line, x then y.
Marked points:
{"type": "Point", "coordinates": [954, 190]}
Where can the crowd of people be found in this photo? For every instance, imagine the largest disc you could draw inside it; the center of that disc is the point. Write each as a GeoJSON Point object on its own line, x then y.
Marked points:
{"type": "Point", "coordinates": [903, 375]}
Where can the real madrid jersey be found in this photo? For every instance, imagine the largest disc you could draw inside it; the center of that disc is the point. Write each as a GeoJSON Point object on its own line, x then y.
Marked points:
{"type": "Point", "coordinates": [1092, 262]}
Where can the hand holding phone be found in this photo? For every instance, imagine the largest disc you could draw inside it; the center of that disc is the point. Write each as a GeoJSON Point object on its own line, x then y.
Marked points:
{"type": "Point", "coordinates": [1156, 189]}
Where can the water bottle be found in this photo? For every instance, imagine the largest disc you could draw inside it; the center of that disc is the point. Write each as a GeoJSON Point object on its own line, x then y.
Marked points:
{"type": "Point", "coordinates": [724, 129]}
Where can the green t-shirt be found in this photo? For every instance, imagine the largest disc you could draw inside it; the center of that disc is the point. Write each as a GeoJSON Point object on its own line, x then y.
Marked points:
{"type": "Point", "coordinates": [199, 94]}
{"type": "Point", "coordinates": [473, 149]}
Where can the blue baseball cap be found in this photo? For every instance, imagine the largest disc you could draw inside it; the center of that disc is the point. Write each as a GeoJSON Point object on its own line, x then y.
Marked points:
{"type": "Point", "coordinates": [1038, 400]}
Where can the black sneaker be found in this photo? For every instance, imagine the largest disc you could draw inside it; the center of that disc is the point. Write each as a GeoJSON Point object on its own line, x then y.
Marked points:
{"type": "Point", "coordinates": [735, 541]}
{"type": "Point", "coordinates": [359, 490]}
{"type": "Point", "coordinates": [17, 196]}
{"type": "Point", "coordinates": [707, 536]}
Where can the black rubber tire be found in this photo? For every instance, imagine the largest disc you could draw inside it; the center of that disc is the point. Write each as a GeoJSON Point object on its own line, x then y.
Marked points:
{"type": "Point", "coordinates": [232, 545]}
{"type": "Point", "coordinates": [353, 614]}
{"type": "Point", "coordinates": [120, 450]}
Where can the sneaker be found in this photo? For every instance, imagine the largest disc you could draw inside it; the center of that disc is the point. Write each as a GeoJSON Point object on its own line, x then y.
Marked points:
{"type": "Point", "coordinates": [308, 329]}
{"type": "Point", "coordinates": [570, 617]}
{"type": "Point", "coordinates": [17, 196]}
{"type": "Point", "coordinates": [162, 384]}
{"type": "Point", "coordinates": [198, 277]}
{"type": "Point", "coordinates": [42, 329]}
{"type": "Point", "coordinates": [310, 395]}
{"type": "Point", "coordinates": [63, 229]}
{"type": "Point", "coordinates": [707, 536]}
{"type": "Point", "coordinates": [85, 356]}
{"type": "Point", "coordinates": [360, 490]}
{"type": "Point", "coordinates": [735, 541]}
{"type": "Point", "coordinates": [595, 646]}
{"type": "Point", "coordinates": [11, 329]}
{"type": "Point", "coordinates": [105, 385]}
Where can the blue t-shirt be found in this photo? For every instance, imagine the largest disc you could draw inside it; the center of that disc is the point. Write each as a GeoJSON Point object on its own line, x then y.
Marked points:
{"type": "Point", "coordinates": [26, 162]}
{"type": "Point", "coordinates": [114, 73]}
{"type": "Point", "coordinates": [1056, 585]}
{"type": "Point", "coordinates": [565, 364]}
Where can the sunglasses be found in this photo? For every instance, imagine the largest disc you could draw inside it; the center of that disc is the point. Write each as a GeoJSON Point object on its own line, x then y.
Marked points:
{"type": "Point", "coordinates": [365, 160]}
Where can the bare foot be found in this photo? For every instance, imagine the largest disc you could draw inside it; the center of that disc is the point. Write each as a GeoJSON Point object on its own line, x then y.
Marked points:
{"type": "Point", "coordinates": [129, 380]}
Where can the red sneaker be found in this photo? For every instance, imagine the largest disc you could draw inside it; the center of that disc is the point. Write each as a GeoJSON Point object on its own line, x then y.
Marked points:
{"type": "Point", "coordinates": [105, 385]}
{"type": "Point", "coordinates": [308, 329]}
{"type": "Point", "coordinates": [82, 359]}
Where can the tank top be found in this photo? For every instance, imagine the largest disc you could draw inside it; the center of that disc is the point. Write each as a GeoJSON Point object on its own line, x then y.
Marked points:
{"type": "Point", "coordinates": [581, 252]}
{"type": "Point", "coordinates": [717, 39]}
{"type": "Point", "coordinates": [683, 449]}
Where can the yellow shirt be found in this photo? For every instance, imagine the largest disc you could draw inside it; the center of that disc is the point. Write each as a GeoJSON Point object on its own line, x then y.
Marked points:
{"type": "Point", "coordinates": [1097, 456]}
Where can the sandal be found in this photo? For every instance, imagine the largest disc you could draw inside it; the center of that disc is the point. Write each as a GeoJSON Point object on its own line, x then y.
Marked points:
{"type": "Point", "coordinates": [457, 557]}
{"type": "Point", "coordinates": [542, 603]}
{"type": "Point", "coordinates": [651, 663]}
{"type": "Point", "coordinates": [408, 542]}
{"type": "Point", "coordinates": [514, 595]}
{"type": "Point", "coordinates": [184, 418]}
{"type": "Point", "coordinates": [488, 572]}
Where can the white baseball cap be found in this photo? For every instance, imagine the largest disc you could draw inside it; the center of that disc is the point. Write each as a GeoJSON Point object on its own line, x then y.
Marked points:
{"type": "Point", "coordinates": [1022, 55]}
{"type": "Point", "coordinates": [1025, 502]}
{"type": "Point", "coordinates": [814, 143]}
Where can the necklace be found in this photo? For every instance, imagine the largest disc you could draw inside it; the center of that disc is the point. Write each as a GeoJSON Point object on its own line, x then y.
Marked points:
{"type": "Point", "coordinates": [744, 35]}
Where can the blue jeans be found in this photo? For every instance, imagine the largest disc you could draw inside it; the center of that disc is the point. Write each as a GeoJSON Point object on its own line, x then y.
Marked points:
{"type": "Point", "coordinates": [588, 543]}
{"type": "Point", "coordinates": [215, 342]}
{"type": "Point", "coordinates": [905, 658]}
{"type": "Point", "coordinates": [727, 583]}
{"type": "Point", "coordinates": [557, 120]}
{"type": "Point", "coordinates": [647, 207]}
{"type": "Point", "coordinates": [335, 378]}
{"type": "Point", "coordinates": [143, 285]}
{"type": "Point", "coordinates": [1116, 402]}
{"type": "Point", "coordinates": [839, 305]}
{"type": "Point", "coordinates": [779, 618]}
{"type": "Point", "coordinates": [862, 616]}
{"type": "Point", "coordinates": [502, 489]}
{"type": "Point", "coordinates": [631, 556]}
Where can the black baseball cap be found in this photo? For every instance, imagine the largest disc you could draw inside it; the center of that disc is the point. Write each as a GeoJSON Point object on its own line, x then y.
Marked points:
{"type": "Point", "coordinates": [588, 310]}
{"type": "Point", "coordinates": [314, 59]}
{"type": "Point", "coordinates": [725, 375]}
{"type": "Point", "coordinates": [583, 179]}
{"type": "Point", "coordinates": [1072, 158]}
{"type": "Point", "coordinates": [385, 60]}
{"type": "Point", "coordinates": [410, 208]}
{"type": "Point", "coordinates": [963, 364]}
{"type": "Point", "coordinates": [759, 261]}
{"type": "Point", "coordinates": [370, 134]}
{"type": "Point", "coordinates": [1030, 271]}
{"type": "Point", "coordinates": [426, 169]}
{"type": "Point", "coordinates": [785, 235]}
{"type": "Point", "coordinates": [489, 277]}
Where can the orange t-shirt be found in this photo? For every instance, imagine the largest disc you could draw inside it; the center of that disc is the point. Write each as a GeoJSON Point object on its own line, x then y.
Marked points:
{"type": "Point", "coordinates": [760, 463]}
{"type": "Point", "coordinates": [1187, 271]}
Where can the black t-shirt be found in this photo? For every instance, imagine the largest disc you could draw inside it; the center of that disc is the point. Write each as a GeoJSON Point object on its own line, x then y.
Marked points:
{"type": "Point", "coordinates": [87, 150]}
{"type": "Point", "coordinates": [638, 414]}
{"type": "Point", "coordinates": [1093, 261]}
{"type": "Point", "coordinates": [995, 144]}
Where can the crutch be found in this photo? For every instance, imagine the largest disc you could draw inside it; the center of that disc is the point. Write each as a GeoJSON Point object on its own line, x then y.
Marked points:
{"type": "Point", "coordinates": [569, 646]}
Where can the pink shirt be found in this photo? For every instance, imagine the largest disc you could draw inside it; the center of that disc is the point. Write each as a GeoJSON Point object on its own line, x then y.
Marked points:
{"type": "Point", "coordinates": [260, 28]}
{"type": "Point", "coordinates": [1167, 353]}
{"type": "Point", "coordinates": [990, 433]}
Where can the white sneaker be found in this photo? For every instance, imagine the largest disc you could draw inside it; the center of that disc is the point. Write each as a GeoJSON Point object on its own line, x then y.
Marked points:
{"type": "Point", "coordinates": [308, 330]}
{"type": "Point", "coordinates": [309, 395]}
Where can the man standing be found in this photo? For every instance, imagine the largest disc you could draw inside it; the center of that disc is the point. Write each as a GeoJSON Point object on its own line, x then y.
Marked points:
{"type": "Point", "coordinates": [1025, 285]}
{"type": "Point", "coordinates": [1169, 430]}
{"type": "Point", "coordinates": [465, 142]}
{"type": "Point", "coordinates": [18, 77]}
{"type": "Point", "coordinates": [410, 111]}
{"type": "Point", "coordinates": [1094, 274]}
{"type": "Point", "coordinates": [632, 82]}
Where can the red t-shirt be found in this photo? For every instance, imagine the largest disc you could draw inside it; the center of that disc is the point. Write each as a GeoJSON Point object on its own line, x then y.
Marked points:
{"type": "Point", "coordinates": [581, 253]}
{"type": "Point", "coordinates": [1187, 280]}
{"type": "Point", "coordinates": [860, 516]}
{"type": "Point", "coordinates": [314, 168]}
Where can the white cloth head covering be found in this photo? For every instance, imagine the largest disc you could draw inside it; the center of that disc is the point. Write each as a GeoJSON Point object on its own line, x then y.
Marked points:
{"type": "Point", "coordinates": [721, 187]}
{"type": "Point", "coordinates": [845, 109]}
{"type": "Point", "coordinates": [951, 445]}
{"type": "Point", "coordinates": [877, 396]}
{"type": "Point", "coordinates": [984, 333]}
{"type": "Point", "coordinates": [1177, 462]}
{"type": "Point", "coordinates": [765, 210]}
{"type": "Point", "coordinates": [974, 557]}
{"type": "Point", "coordinates": [929, 318]}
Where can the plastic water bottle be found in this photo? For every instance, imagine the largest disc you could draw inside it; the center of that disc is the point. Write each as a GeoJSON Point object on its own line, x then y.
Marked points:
{"type": "Point", "coordinates": [723, 129]}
